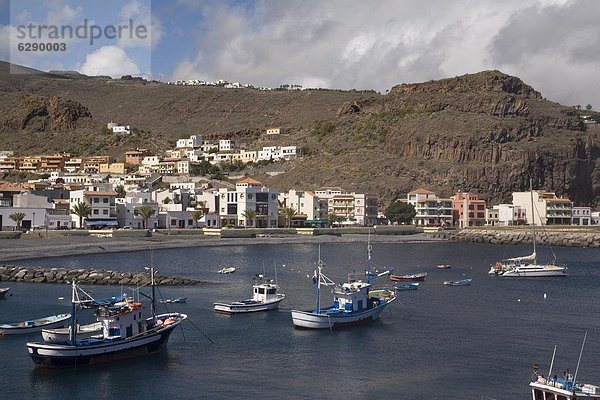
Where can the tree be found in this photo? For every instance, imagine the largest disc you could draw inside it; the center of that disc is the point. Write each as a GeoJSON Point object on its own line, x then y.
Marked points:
{"type": "Point", "coordinates": [249, 214]}
{"type": "Point", "coordinates": [400, 212]}
{"type": "Point", "coordinates": [145, 212]}
{"type": "Point", "coordinates": [82, 210]}
{"type": "Point", "coordinates": [17, 217]}
{"type": "Point", "coordinates": [289, 213]}
{"type": "Point", "coordinates": [196, 215]}
{"type": "Point", "coordinates": [121, 192]}
{"type": "Point", "coordinates": [333, 218]}
{"type": "Point", "coordinates": [588, 107]}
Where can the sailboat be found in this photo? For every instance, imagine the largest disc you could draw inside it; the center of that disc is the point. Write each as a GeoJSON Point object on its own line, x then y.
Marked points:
{"type": "Point", "coordinates": [527, 266]}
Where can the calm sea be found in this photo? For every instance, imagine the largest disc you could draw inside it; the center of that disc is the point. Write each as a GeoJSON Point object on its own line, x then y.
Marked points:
{"type": "Point", "coordinates": [438, 342]}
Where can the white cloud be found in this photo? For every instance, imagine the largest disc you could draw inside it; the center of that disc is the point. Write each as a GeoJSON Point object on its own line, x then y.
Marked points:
{"type": "Point", "coordinates": [140, 14]}
{"type": "Point", "coordinates": [375, 45]}
{"type": "Point", "coordinates": [109, 60]}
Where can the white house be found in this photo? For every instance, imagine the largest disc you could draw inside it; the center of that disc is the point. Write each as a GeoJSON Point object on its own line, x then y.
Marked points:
{"type": "Point", "coordinates": [119, 129]}
{"type": "Point", "coordinates": [547, 208]}
{"type": "Point", "coordinates": [193, 142]}
{"type": "Point", "coordinates": [249, 194]}
{"type": "Point", "coordinates": [431, 210]}
{"type": "Point", "coordinates": [582, 216]}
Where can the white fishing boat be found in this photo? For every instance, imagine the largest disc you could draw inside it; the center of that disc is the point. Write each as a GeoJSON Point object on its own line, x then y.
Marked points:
{"type": "Point", "coordinates": [62, 334]}
{"type": "Point", "coordinates": [125, 334]}
{"type": "Point", "coordinates": [561, 387]}
{"type": "Point", "coordinates": [527, 266]}
{"type": "Point", "coordinates": [3, 292]}
{"type": "Point", "coordinates": [461, 282]}
{"type": "Point", "coordinates": [352, 303]}
{"type": "Point", "coordinates": [264, 298]}
{"type": "Point", "coordinates": [34, 325]}
{"type": "Point", "coordinates": [226, 270]}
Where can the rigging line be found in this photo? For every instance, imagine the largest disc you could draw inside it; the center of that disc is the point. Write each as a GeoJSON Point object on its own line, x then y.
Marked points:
{"type": "Point", "coordinates": [200, 330]}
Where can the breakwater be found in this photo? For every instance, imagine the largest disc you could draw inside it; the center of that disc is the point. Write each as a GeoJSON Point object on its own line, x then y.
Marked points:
{"type": "Point", "coordinates": [568, 238]}
{"type": "Point", "coordinates": [13, 273]}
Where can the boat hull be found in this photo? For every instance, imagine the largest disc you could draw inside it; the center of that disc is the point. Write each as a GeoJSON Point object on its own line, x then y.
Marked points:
{"type": "Point", "coordinates": [3, 292]}
{"type": "Point", "coordinates": [335, 320]}
{"type": "Point", "coordinates": [530, 272]}
{"type": "Point", "coordinates": [21, 330]}
{"type": "Point", "coordinates": [408, 278]}
{"type": "Point", "coordinates": [234, 308]}
{"type": "Point", "coordinates": [63, 355]}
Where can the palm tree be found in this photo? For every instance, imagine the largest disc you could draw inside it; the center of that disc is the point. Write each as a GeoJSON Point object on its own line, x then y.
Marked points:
{"type": "Point", "coordinates": [17, 217]}
{"type": "Point", "coordinates": [82, 210]}
{"type": "Point", "coordinates": [289, 213]}
{"type": "Point", "coordinates": [196, 215]}
{"type": "Point", "coordinates": [249, 214]}
{"type": "Point", "coordinates": [145, 212]}
{"type": "Point", "coordinates": [332, 218]}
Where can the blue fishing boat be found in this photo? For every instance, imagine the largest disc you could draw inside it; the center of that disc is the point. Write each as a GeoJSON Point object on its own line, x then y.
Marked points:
{"type": "Point", "coordinates": [407, 286]}
{"type": "Point", "coordinates": [561, 386]}
{"type": "Point", "coordinates": [125, 334]}
{"type": "Point", "coordinates": [462, 282]}
{"type": "Point", "coordinates": [353, 302]}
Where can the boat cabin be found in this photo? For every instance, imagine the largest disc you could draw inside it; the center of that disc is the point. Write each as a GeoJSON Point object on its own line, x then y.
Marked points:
{"type": "Point", "coordinates": [121, 320]}
{"type": "Point", "coordinates": [352, 296]}
{"type": "Point", "coordinates": [560, 388]}
{"type": "Point", "coordinates": [265, 292]}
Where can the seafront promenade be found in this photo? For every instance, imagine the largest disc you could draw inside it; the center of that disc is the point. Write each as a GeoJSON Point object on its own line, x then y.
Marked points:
{"type": "Point", "coordinates": [30, 246]}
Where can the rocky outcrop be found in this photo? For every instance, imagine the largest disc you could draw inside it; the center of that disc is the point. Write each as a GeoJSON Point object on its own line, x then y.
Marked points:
{"type": "Point", "coordinates": [87, 276]}
{"type": "Point", "coordinates": [51, 113]}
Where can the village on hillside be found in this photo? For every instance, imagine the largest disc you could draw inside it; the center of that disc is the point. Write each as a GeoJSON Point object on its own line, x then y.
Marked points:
{"type": "Point", "coordinates": [149, 191]}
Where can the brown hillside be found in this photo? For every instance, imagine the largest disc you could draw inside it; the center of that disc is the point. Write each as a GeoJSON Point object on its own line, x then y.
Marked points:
{"type": "Point", "coordinates": [484, 132]}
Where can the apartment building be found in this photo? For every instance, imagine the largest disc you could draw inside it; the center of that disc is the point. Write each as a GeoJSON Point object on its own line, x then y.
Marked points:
{"type": "Point", "coordinates": [468, 210]}
{"type": "Point", "coordinates": [548, 209]}
{"type": "Point", "coordinates": [431, 210]}
{"type": "Point", "coordinates": [249, 194]}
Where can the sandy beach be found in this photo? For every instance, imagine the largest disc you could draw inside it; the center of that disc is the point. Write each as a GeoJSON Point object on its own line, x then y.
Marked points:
{"type": "Point", "coordinates": [29, 247]}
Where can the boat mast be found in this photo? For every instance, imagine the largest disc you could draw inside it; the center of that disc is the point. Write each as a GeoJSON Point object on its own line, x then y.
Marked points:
{"type": "Point", "coordinates": [532, 219]}
{"type": "Point", "coordinates": [318, 276]}
{"type": "Point", "coordinates": [72, 333]}
{"type": "Point", "coordinates": [153, 304]}
{"type": "Point", "coordinates": [552, 363]}
{"type": "Point", "coordinates": [578, 361]}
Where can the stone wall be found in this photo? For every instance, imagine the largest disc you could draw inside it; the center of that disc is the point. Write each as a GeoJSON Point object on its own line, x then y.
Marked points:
{"type": "Point", "coordinates": [522, 236]}
{"type": "Point", "coordinates": [87, 276]}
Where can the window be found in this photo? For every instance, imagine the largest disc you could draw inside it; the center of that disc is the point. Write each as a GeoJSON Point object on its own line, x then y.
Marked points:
{"type": "Point", "coordinates": [96, 211]}
{"type": "Point", "coordinates": [232, 209]}
{"type": "Point", "coordinates": [104, 212]}
{"type": "Point", "coordinates": [105, 200]}
{"type": "Point", "coordinates": [96, 200]}
{"type": "Point", "coordinates": [262, 197]}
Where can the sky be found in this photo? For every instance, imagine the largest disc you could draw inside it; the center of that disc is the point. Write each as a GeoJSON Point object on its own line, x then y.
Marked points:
{"type": "Point", "coordinates": [552, 45]}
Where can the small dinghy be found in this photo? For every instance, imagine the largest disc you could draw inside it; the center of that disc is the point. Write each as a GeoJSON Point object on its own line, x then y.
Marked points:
{"type": "Point", "coordinates": [62, 334]}
{"type": "Point", "coordinates": [177, 300]}
{"type": "Point", "coordinates": [462, 282]}
{"type": "Point", "coordinates": [3, 292]}
{"type": "Point", "coordinates": [407, 286]}
{"type": "Point", "coordinates": [35, 325]}
{"type": "Point", "coordinates": [226, 270]}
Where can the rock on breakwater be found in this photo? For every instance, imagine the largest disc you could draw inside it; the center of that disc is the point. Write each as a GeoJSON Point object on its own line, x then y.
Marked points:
{"type": "Point", "coordinates": [87, 276]}
{"type": "Point", "coordinates": [525, 236]}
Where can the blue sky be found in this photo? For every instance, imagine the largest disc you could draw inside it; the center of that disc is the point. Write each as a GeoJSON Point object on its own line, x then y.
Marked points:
{"type": "Point", "coordinates": [550, 44]}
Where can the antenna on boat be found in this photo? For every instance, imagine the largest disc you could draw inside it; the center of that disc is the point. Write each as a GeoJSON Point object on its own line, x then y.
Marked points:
{"type": "Point", "coordinates": [275, 262]}
{"type": "Point", "coordinates": [552, 363]}
{"type": "Point", "coordinates": [318, 276]}
{"type": "Point", "coordinates": [532, 218]}
{"type": "Point", "coordinates": [578, 361]}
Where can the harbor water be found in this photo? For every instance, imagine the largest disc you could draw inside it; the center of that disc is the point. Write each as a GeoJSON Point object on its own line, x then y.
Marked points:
{"type": "Point", "coordinates": [437, 342]}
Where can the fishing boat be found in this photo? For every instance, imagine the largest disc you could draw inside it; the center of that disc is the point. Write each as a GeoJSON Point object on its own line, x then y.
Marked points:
{"type": "Point", "coordinates": [352, 303]}
{"type": "Point", "coordinates": [407, 286]}
{"type": "Point", "coordinates": [175, 300]}
{"type": "Point", "coordinates": [462, 282]}
{"type": "Point", "coordinates": [443, 266]}
{"type": "Point", "coordinates": [527, 266]}
{"type": "Point", "coordinates": [62, 334]}
{"type": "Point", "coordinates": [264, 298]}
{"type": "Point", "coordinates": [34, 325]}
{"type": "Point", "coordinates": [409, 278]}
{"type": "Point", "coordinates": [125, 334]}
{"type": "Point", "coordinates": [564, 387]}
{"type": "Point", "coordinates": [3, 292]}
{"type": "Point", "coordinates": [226, 270]}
